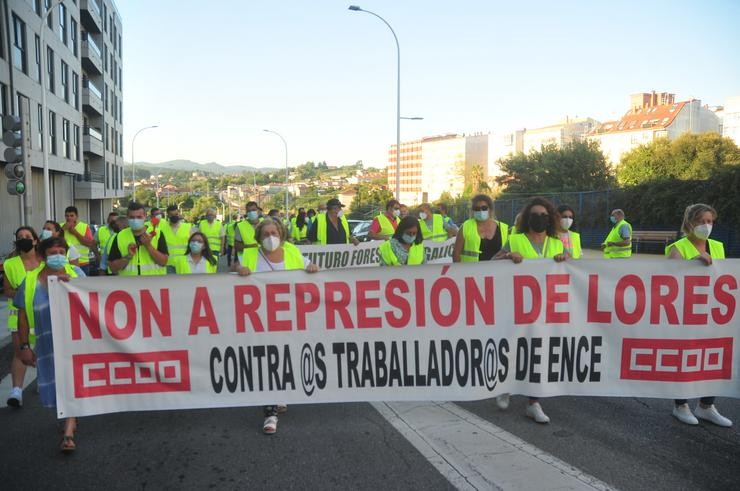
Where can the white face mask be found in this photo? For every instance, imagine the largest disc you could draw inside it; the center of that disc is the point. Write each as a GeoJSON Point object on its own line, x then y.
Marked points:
{"type": "Point", "coordinates": [340, 213]}
{"type": "Point", "coordinates": [422, 215]}
{"type": "Point", "coordinates": [396, 213]}
{"type": "Point", "coordinates": [565, 223]}
{"type": "Point", "coordinates": [703, 231]}
{"type": "Point", "coordinates": [270, 243]}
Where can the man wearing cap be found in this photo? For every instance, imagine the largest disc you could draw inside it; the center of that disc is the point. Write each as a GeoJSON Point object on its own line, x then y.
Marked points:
{"type": "Point", "coordinates": [331, 227]}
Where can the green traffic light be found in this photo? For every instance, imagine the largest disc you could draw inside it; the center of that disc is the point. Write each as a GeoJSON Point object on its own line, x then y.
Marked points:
{"type": "Point", "coordinates": [20, 187]}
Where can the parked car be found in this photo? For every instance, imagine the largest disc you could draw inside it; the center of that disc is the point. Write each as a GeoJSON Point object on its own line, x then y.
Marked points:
{"type": "Point", "coordinates": [360, 229]}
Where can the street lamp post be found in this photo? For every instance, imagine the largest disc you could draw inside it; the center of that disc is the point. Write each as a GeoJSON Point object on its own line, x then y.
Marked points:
{"type": "Point", "coordinates": [286, 167]}
{"type": "Point", "coordinates": [356, 8]}
{"type": "Point", "coordinates": [42, 81]}
{"type": "Point", "coordinates": [133, 162]}
{"type": "Point", "coordinates": [157, 187]}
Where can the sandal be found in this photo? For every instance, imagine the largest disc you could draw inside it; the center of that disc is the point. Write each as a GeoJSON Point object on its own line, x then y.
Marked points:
{"type": "Point", "coordinates": [270, 425]}
{"type": "Point", "coordinates": [68, 444]}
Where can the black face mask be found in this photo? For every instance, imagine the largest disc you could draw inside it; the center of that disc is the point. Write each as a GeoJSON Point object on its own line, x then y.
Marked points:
{"type": "Point", "coordinates": [24, 245]}
{"type": "Point", "coordinates": [538, 223]}
{"type": "Point", "coordinates": [174, 218]}
{"type": "Point", "coordinates": [115, 228]}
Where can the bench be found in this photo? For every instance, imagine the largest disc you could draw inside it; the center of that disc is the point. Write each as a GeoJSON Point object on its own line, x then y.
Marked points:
{"type": "Point", "coordinates": [662, 237]}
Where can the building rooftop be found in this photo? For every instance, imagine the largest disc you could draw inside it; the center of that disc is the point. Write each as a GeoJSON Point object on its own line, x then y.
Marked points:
{"type": "Point", "coordinates": [653, 117]}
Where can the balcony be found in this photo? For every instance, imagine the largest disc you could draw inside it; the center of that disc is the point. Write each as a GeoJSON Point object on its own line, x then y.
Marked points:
{"type": "Point", "coordinates": [90, 185]}
{"type": "Point", "coordinates": [92, 99]}
{"type": "Point", "coordinates": [92, 59]}
{"type": "Point", "coordinates": [92, 141]}
{"type": "Point", "coordinates": [90, 15]}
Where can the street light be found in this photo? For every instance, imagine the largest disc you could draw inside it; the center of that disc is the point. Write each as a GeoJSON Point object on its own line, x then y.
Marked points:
{"type": "Point", "coordinates": [356, 8]}
{"type": "Point", "coordinates": [286, 167]}
{"type": "Point", "coordinates": [413, 118]}
{"type": "Point", "coordinates": [133, 162]}
{"type": "Point", "coordinates": [157, 187]}
{"type": "Point", "coordinates": [44, 148]}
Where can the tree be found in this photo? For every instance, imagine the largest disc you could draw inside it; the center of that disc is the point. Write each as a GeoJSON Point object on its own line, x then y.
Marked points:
{"type": "Point", "coordinates": [478, 180]}
{"type": "Point", "coordinates": [575, 166]}
{"type": "Point", "coordinates": [687, 157]}
{"type": "Point", "coordinates": [368, 200]}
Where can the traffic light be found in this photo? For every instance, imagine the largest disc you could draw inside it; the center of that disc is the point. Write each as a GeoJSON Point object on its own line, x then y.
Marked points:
{"type": "Point", "coordinates": [15, 169]}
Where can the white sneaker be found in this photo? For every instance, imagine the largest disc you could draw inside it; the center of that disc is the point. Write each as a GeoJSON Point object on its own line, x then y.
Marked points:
{"type": "Point", "coordinates": [535, 412]}
{"type": "Point", "coordinates": [712, 415]}
{"type": "Point", "coordinates": [15, 397]}
{"type": "Point", "coordinates": [684, 414]}
{"type": "Point", "coordinates": [502, 401]}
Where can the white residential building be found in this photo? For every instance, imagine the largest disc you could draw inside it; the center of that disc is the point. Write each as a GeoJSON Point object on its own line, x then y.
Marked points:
{"type": "Point", "coordinates": [566, 131]}
{"type": "Point", "coordinates": [731, 119]}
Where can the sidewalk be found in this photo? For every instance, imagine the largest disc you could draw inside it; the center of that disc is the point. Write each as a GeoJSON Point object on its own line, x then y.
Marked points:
{"type": "Point", "coordinates": [4, 332]}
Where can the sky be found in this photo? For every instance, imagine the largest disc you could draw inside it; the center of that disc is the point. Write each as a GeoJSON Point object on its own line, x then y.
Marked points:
{"type": "Point", "coordinates": [214, 74]}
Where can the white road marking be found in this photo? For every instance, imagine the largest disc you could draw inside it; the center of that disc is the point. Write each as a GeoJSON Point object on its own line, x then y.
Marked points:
{"type": "Point", "coordinates": [473, 453]}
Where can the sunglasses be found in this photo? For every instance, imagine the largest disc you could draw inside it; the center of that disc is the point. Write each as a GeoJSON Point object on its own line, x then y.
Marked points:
{"type": "Point", "coordinates": [480, 208]}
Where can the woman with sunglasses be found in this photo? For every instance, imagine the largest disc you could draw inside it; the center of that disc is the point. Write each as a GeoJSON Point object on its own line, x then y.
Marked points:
{"type": "Point", "coordinates": [538, 239]}
{"type": "Point", "coordinates": [482, 236]}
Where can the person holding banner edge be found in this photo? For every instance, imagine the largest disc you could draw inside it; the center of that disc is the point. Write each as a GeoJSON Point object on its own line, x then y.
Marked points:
{"type": "Point", "coordinates": [274, 253]}
{"type": "Point", "coordinates": [698, 220]}
{"type": "Point", "coordinates": [538, 239]}
{"type": "Point", "coordinates": [482, 236]}
{"type": "Point", "coordinates": [405, 247]}
{"type": "Point", "coordinates": [34, 312]}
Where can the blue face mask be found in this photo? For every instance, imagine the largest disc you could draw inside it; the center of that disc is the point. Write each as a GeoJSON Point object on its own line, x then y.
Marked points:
{"type": "Point", "coordinates": [196, 247]}
{"type": "Point", "coordinates": [136, 223]}
{"type": "Point", "coordinates": [409, 239]}
{"type": "Point", "coordinates": [45, 234]}
{"type": "Point", "coordinates": [56, 261]}
{"type": "Point", "coordinates": [613, 219]}
{"type": "Point", "coordinates": [252, 215]}
{"type": "Point", "coordinates": [480, 215]}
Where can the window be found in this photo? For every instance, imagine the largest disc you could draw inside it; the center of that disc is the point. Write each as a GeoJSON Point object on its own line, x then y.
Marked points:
{"type": "Point", "coordinates": [37, 7]}
{"type": "Point", "coordinates": [73, 36]}
{"type": "Point", "coordinates": [105, 18]}
{"type": "Point", "coordinates": [120, 47]}
{"type": "Point", "coordinates": [76, 90]}
{"type": "Point", "coordinates": [105, 95]}
{"type": "Point", "coordinates": [107, 174]}
{"type": "Point", "coordinates": [40, 126]}
{"type": "Point", "coordinates": [76, 143]}
{"type": "Point", "coordinates": [63, 23]}
{"type": "Point", "coordinates": [38, 58]}
{"type": "Point", "coordinates": [52, 133]}
{"type": "Point", "coordinates": [49, 19]}
{"type": "Point", "coordinates": [66, 139]}
{"type": "Point", "coordinates": [50, 69]}
{"type": "Point", "coordinates": [107, 137]}
{"type": "Point", "coordinates": [105, 58]}
{"type": "Point", "coordinates": [4, 100]}
{"type": "Point", "coordinates": [65, 81]}
{"type": "Point", "coordinates": [120, 78]}
{"type": "Point", "coordinates": [19, 44]}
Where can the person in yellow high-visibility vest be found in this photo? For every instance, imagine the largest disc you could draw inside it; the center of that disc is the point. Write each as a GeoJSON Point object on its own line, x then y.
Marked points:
{"type": "Point", "coordinates": [136, 252]}
{"type": "Point", "coordinates": [698, 221]}
{"type": "Point", "coordinates": [16, 267]}
{"type": "Point", "coordinates": [331, 227]}
{"type": "Point", "coordinates": [274, 253]}
{"type": "Point", "coordinates": [618, 244]}
{"type": "Point", "coordinates": [176, 233]}
{"type": "Point", "coordinates": [214, 230]}
{"type": "Point", "coordinates": [104, 234]}
{"type": "Point", "coordinates": [199, 259]}
{"type": "Point", "coordinates": [78, 234]}
{"type": "Point", "coordinates": [244, 235]}
{"type": "Point", "coordinates": [34, 312]}
{"type": "Point", "coordinates": [299, 227]}
{"type": "Point", "coordinates": [433, 226]}
{"type": "Point", "coordinates": [566, 231]}
{"type": "Point", "coordinates": [406, 247]}
{"type": "Point", "coordinates": [384, 225]}
{"type": "Point", "coordinates": [230, 238]}
{"type": "Point", "coordinates": [482, 236]}
{"type": "Point", "coordinates": [538, 238]}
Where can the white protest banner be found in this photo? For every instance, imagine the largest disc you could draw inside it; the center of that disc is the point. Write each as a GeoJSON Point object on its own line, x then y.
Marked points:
{"type": "Point", "coordinates": [632, 327]}
{"type": "Point", "coordinates": [365, 254]}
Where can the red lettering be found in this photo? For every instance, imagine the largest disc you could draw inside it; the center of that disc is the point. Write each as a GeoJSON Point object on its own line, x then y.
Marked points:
{"type": "Point", "coordinates": [482, 303]}
{"type": "Point", "coordinates": [150, 311]}
{"type": "Point", "coordinates": [665, 300]}
{"type": "Point", "coordinates": [530, 283]}
{"type": "Point", "coordinates": [555, 297]}
{"type": "Point", "coordinates": [634, 282]}
{"type": "Point", "coordinates": [421, 309]}
{"type": "Point", "coordinates": [271, 292]}
{"type": "Point", "coordinates": [724, 298]}
{"type": "Point", "coordinates": [337, 305]}
{"type": "Point", "coordinates": [399, 302]}
{"type": "Point", "coordinates": [202, 314]}
{"type": "Point", "coordinates": [690, 298]}
{"type": "Point", "coordinates": [304, 306]}
{"type": "Point", "coordinates": [593, 313]}
{"type": "Point", "coordinates": [448, 284]}
{"type": "Point", "coordinates": [364, 303]}
{"type": "Point", "coordinates": [78, 313]}
{"type": "Point", "coordinates": [242, 309]}
{"type": "Point", "coordinates": [128, 328]}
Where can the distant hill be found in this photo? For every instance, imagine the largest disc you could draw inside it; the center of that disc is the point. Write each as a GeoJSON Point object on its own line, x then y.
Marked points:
{"type": "Point", "coordinates": [213, 167]}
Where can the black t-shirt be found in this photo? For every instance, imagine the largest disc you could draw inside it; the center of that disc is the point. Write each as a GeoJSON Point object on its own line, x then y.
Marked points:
{"type": "Point", "coordinates": [490, 247]}
{"type": "Point", "coordinates": [333, 235]}
{"type": "Point", "coordinates": [116, 254]}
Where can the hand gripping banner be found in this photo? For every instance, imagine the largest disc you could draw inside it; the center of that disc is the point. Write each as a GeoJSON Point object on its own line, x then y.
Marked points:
{"type": "Point", "coordinates": [646, 328]}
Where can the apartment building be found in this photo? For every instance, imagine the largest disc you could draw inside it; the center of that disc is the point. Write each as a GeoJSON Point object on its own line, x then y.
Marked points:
{"type": "Point", "coordinates": [81, 129]}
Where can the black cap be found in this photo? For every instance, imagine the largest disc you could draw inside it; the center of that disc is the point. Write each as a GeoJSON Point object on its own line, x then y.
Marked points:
{"type": "Point", "coordinates": [334, 202]}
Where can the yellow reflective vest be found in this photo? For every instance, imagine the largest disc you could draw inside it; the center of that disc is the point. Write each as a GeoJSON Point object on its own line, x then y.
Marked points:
{"type": "Point", "coordinates": [471, 247]}
{"type": "Point", "coordinates": [575, 242]}
{"type": "Point", "coordinates": [386, 227]}
{"type": "Point", "coordinates": [520, 243]}
{"type": "Point", "coordinates": [177, 242]}
{"type": "Point", "coordinates": [292, 257]}
{"type": "Point", "coordinates": [30, 290]}
{"type": "Point", "coordinates": [611, 252]}
{"type": "Point", "coordinates": [15, 272]}
{"type": "Point", "coordinates": [437, 233]}
{"type": "Point", "coordinates": [72, 240]}
{"type": "Point", "coordinates": [246, 232]}
{"type": "Point", "coordinates": [212, 231]}
{"type": "Point", "coordinates": [296, 233]}
{"type": "Point", "coordinates": [321, 224]}
{"type": "Point", "coordinates": [416, 255]}
{"type": "Point", "coordinates": [142, 263]}
{"type": "Point", "coordinates": [689, 251]}
{"type": "Point", "coordinates": [182, 265]}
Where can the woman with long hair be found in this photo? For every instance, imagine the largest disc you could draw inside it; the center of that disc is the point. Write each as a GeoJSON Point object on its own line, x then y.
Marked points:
{"type": "Point", "coordinates": [198, 258]}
